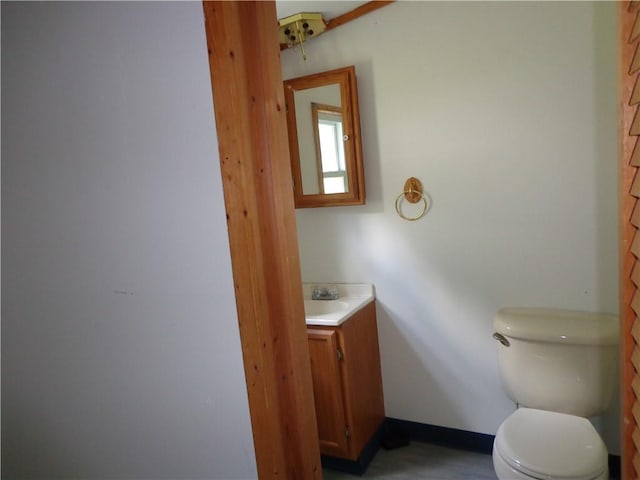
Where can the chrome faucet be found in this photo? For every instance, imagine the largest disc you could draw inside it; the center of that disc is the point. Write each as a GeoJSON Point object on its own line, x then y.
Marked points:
{"type": "Point", "coordinates": [324, 293]}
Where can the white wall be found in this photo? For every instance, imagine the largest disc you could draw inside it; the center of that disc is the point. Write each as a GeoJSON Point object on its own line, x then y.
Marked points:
{"type": "Point", "coordinates": [120, 347]}
{"type": "Point", "coordinates": [506, 111]}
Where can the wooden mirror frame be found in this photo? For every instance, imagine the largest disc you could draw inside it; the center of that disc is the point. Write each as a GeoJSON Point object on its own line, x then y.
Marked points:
{"type": "Point", "coordinates": [346, 78]}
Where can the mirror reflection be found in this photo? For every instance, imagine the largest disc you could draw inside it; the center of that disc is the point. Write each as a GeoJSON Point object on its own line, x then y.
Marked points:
{"type": "Point", "coordinates": [319, 124]}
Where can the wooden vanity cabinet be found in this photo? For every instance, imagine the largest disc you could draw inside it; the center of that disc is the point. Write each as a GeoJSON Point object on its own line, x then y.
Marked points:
{"type": "Point", "coordinates": [347, 383]}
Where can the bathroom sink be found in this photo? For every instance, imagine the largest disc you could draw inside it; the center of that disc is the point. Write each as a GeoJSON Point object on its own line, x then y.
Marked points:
{"type": "Point", "coordinates": [352, 297]}
{"type": "Point", "coordinates": [314, 308]}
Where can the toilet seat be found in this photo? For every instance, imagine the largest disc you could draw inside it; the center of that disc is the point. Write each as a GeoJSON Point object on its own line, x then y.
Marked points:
{"type": "Point", "coordinates": [551, 445]}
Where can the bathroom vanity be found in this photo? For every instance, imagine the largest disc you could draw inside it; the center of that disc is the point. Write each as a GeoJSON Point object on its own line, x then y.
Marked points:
{"type": "Point", "coordinates": [347, 382]}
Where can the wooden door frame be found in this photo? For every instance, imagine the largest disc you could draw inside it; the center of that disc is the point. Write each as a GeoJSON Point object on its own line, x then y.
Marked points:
{"type": "Point", "coordinates": [628, 247]}
{"type": "Point", "coordinates": [246, 77]}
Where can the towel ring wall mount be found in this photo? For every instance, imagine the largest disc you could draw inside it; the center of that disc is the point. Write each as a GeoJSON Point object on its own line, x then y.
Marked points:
{"type": "Point", "coordinates": [412, 193]}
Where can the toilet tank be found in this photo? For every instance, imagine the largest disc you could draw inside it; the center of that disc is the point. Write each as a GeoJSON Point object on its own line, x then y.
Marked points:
{"type": "Point", "coordinates": [558, 360]}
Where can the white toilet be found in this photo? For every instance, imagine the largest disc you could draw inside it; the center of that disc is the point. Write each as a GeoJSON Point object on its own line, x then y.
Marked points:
{"type": "Point", "coordinates": [558, 366]}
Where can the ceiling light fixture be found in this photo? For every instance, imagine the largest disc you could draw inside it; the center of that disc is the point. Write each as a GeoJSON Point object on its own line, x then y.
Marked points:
{"type": "Point", "coordinates": [298, 28]}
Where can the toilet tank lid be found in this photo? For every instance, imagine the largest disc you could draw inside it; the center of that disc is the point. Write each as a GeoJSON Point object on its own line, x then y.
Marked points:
{"type": "Point", "coordinates": [555, 325]}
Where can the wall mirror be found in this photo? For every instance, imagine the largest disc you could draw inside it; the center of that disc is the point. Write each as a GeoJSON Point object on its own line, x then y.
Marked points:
{"type": "Point", "coordinates": [323, 122]}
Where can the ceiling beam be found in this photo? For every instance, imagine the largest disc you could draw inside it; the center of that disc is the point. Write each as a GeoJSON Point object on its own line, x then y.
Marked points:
{"type": "Point", "coordinates": [356, 13]}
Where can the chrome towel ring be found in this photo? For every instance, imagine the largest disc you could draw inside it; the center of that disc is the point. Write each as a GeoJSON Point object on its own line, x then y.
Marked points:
{"type": "Point", "coordinates": [412, 193]}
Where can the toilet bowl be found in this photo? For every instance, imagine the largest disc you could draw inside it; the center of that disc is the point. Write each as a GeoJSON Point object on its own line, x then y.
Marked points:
{"type": "Point", "coordinates": [538, 444]}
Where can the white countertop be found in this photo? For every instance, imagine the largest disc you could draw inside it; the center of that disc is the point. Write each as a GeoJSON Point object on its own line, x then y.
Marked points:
{"type": "Point", "coordinates": [351, 298]}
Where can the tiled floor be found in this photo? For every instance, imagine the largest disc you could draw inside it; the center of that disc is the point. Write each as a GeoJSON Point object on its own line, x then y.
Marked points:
{"type": "Point", "coordinates": [422, 460]}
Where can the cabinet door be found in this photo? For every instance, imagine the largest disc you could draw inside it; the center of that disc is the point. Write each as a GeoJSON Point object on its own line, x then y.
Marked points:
{"type": "Point", "coordinates": [327, 391]}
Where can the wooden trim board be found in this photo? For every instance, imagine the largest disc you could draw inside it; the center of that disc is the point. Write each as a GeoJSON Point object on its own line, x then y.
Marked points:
{"type": "Point", "coordinates": [254, 155]}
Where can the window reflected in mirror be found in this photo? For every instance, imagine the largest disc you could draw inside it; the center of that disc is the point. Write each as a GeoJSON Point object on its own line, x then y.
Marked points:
{"type": "Point", "coordinates": [329, 138]}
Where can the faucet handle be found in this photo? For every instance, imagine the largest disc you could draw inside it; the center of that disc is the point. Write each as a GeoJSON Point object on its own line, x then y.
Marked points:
{"type": "Point", "coordinates": [324, 293]}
